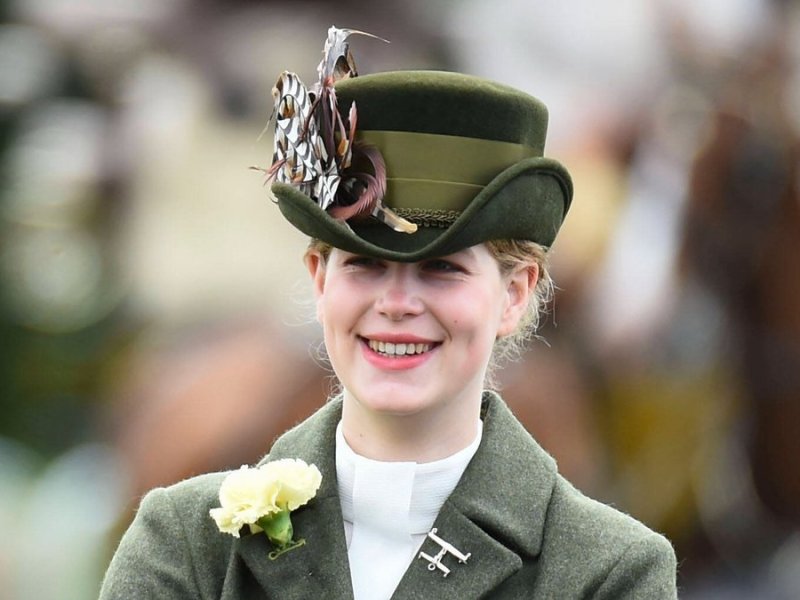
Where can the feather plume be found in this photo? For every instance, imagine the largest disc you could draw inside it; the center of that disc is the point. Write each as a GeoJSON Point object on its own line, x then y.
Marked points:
{"type": "Point", "coordinates": [315, 149]}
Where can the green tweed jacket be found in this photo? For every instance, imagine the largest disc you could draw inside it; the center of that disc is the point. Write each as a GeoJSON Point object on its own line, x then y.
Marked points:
{"type": "Point", "coordinates": [529, 533]}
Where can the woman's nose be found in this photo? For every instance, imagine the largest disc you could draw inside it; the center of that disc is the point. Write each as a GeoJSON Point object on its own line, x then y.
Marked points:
{"type": "Point", "coordinates": [399, 296]}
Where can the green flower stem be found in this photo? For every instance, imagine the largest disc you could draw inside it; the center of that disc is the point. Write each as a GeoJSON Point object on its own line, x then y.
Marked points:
{"type": "Point", "coordinates": [278, 527]}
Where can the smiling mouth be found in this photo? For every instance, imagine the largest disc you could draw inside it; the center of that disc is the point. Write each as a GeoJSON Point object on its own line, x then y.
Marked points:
{"type": "Point", "coordinates": [398, 349]}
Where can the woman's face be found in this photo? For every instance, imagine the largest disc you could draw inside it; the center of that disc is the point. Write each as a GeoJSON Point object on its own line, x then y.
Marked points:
{"type": "Point", "coordinates": [406, 338]}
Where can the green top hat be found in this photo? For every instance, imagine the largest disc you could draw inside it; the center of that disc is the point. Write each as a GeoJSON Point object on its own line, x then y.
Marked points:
{"type": "Point", "coordinates": [464, 162]}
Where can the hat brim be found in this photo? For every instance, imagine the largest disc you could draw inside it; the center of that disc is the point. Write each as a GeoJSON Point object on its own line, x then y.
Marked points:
{"type": "Point", "coordinates": [527, 201]}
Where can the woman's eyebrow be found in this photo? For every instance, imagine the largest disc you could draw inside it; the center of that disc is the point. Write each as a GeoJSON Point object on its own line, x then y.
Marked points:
{"type": "Point", "coordinates": [465, 253]}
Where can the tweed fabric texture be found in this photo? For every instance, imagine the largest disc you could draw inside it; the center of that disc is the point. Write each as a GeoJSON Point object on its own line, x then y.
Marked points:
{"type": "Point", "coordinates": [530, 534]}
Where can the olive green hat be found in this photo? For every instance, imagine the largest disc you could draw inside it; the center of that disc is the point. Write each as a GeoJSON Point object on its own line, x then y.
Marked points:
{"type": "Point", "coordinates": [464, 162]}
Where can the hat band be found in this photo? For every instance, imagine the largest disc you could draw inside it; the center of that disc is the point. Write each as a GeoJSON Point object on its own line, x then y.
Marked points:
{"type": "Point", "coordinates": [440, 172]}
{"type": "Point", "coordinates": [428, 217]}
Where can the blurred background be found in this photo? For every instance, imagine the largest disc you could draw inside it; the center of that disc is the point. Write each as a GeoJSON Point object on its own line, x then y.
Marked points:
{"type": "Point", "coordinates": [154, 312]}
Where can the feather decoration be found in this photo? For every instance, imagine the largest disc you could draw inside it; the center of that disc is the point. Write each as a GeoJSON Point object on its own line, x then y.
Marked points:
{"type": "Point", "coordinates": [315, 148]}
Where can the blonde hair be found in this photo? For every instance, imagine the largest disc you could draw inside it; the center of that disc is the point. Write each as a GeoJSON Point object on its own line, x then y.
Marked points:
{"type": "Point", "coordinates": [510, 256]}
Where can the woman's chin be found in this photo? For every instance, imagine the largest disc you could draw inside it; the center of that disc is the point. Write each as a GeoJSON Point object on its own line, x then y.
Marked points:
{"type": "Point", "coordinates": [393, 401]}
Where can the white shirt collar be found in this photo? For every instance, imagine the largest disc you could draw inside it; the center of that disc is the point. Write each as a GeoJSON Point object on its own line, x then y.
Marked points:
{"type": "Point", "coordinates": [404, 496]}
{"type": "Point", "coordinates": [388, 507]}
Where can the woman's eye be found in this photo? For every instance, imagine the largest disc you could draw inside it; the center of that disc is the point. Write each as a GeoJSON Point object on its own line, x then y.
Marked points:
{"type": "Point", "coordinates": [442, 266]}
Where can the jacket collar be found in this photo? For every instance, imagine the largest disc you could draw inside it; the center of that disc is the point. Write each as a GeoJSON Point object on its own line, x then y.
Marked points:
{"type": "Point", "coordinates": [496, 513]}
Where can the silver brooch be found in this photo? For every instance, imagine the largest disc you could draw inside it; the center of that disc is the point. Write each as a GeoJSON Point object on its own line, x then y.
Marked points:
{"type": "Point", "coordinates": [435, 562]}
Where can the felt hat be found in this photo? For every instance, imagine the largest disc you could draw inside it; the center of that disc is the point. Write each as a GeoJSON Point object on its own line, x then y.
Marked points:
{"type": "Point", "coordinates": [464, 162]}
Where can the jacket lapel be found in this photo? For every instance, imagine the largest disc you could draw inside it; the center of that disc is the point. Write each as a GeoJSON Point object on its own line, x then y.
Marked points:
{"type": "Point", "coordinates": [496, 513]}
{"type": "Point", "coordinates": [490, 562]}
{"type": "Point", "coordinates": [319, 568]}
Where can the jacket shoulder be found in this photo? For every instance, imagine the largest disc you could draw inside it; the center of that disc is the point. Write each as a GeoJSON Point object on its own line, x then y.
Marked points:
{"type": "Point", "coordinates": [195, 492]}
{"type": "Point", "coordinates": [611, 553]}
{"type": "Point", "coordinates": [173, 548]}
{"type": "Point", "coordinates": [587, 521]}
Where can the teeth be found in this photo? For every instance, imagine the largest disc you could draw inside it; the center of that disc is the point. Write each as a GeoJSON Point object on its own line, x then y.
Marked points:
{"type": "Point", "coordinates": [391, 349]}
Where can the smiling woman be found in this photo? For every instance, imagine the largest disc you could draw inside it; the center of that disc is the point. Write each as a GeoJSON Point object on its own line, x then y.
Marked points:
{"type": "Point", "coordinates": [431, 210]}
{"type": "Point", "coordinates": [454, 307]}
{"type": "Point", "coordinates": [510, 256]}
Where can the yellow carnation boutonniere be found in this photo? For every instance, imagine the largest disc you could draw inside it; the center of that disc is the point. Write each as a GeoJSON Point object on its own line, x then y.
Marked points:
{"type": "Point", "coordinates": [263, 498]}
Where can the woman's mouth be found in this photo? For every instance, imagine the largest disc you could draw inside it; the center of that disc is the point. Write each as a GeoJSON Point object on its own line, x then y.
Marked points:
{"type": "Point", "coordinates": [398, 348]}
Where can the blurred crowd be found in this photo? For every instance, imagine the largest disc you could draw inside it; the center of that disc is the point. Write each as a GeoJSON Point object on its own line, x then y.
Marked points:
{"type": "Point", "coordinates": [155, 319]}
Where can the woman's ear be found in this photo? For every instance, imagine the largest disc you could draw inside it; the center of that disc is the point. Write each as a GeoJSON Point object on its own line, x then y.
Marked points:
{"type": "Point", "coordinates": [315, 264]}
{"type": "Point", "coordinates": [316, 268]}
{"type": "Point", "coordinates": [519, 287]}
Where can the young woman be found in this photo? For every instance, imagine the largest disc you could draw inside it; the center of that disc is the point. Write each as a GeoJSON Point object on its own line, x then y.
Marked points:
{"type": "Point", "coordinates": [424, 485]}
